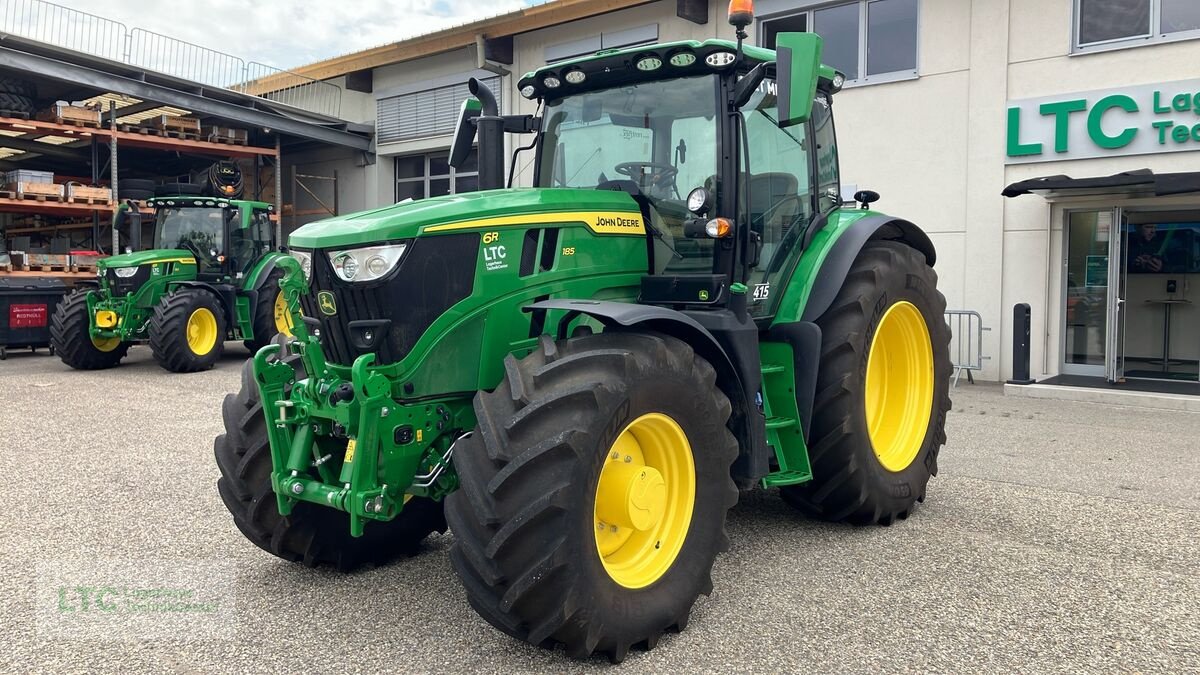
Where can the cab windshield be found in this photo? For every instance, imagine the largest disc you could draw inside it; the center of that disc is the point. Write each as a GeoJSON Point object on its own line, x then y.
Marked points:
{"type": "Point", "coordinates": [199, 230]}
{"type": "Point", "coordinates": [656, 139]}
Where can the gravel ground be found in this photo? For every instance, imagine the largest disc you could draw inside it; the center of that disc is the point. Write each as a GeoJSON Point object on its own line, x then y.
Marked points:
{"type": "Point", "coordinates": [1058, 537]}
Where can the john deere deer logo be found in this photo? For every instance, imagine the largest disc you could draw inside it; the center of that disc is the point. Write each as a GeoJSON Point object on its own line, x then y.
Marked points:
{"type": "Point", "coordinates": [326, 303]}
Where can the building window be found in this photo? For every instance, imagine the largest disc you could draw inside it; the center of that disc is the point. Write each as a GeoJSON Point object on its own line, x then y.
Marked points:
{"type": "Point", "coordinates": [867, 40]}
{"type": "Point", "coordinates": [1122, 23]}
{"type": "Point", "coordinates": [421, 176]}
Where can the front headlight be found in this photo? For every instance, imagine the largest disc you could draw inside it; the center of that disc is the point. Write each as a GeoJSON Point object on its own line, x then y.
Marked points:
{"type": "Point", "coordinates": [366, 264]}
{"type": "Point", "coordinates": [125, 272]}
{"type": "Point", "coordinates": [305, 260]}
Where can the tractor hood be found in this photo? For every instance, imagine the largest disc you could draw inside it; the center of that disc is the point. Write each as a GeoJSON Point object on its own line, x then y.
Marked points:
{"type": "Point", "coordinates": [473, 209]}
{"type": "Point", "coordinates": [139, 258]}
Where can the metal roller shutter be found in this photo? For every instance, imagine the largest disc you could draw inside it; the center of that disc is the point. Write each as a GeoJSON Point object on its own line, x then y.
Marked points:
{"type": "Point", "coordinates": [421, 114]}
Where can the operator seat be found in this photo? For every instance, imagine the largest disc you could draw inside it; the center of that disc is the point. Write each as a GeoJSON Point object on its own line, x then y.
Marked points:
{"type": "Point", "coordinates": [774, 206]}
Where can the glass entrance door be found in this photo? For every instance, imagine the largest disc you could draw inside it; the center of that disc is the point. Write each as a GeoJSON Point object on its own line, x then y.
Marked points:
{"type": "Point", "coordinates": [1093, 322]}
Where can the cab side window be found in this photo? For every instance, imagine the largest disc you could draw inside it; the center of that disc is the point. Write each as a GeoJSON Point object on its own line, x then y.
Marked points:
{"type": "Point", "coordinates": [828, 180]}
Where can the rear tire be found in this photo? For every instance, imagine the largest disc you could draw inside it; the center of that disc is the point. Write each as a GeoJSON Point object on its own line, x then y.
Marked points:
{"type": "Point", "coordinates": [70, 339]}
{"type": "Point", "coordinates": [188, 330]}
{"type": "Point", "coordinates": [526, 514]}
{"type": "Point", "coordinates": [178, 189]}
{"type": "Point", "coordinates": [140, 184]}
{"type": "Point", "coordinates": [850, 481]}
{"type": "Point", "coordinates": [313, 535]}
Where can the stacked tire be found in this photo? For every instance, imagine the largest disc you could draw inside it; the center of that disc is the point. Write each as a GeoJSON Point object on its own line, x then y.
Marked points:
{"type": "Point", "coordinates": [17, 96]}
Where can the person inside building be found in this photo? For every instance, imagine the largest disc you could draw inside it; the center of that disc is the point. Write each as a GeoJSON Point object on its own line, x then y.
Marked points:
{"type": "Point", "coordinates": [1152, 251]}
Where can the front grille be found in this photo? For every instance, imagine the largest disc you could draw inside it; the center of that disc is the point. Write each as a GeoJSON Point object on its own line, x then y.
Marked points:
{"type": "Point", "coordinates": [434, 274]}
{"type": "Point", "coordinates": [118, 286]}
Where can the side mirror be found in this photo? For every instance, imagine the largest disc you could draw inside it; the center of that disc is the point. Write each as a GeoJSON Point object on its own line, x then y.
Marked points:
{"type": "Point", "coordinates": [129, 218]}
{"type": "Point", "coordinates": [866, 197]}
{"type": "Point", "coordinates": [464, 132]}
{"type": "Point", "coordinates": [797, 68]}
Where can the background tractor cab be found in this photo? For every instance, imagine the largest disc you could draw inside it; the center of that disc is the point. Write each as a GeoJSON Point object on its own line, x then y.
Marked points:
{"type": "Point", "coordinates": [209, 275]}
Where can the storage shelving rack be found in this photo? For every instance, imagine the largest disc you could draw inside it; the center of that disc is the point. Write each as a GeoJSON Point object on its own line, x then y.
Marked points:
{"type": "Point", "coordinates": [114, 138]}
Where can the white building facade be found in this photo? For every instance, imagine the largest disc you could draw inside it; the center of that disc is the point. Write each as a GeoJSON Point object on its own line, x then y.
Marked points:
{"type": "Point", "coordinates": [948, 102]}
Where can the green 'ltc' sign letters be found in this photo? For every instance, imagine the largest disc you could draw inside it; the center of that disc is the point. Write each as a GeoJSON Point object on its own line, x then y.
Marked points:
{"type": "Point", "coordinates": [1134, 120]}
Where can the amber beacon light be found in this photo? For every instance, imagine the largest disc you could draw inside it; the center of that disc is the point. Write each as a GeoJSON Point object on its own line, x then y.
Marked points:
{"type": "Point", "coordinates": [741, 13]}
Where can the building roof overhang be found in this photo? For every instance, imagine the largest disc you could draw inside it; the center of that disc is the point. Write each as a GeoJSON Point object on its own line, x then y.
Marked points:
{"type": "Point", "coordinates": [1139, 182]}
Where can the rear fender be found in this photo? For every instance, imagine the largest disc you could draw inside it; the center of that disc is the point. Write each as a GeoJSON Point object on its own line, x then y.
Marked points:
{"type": "Point", "coordinates": [841, 253]}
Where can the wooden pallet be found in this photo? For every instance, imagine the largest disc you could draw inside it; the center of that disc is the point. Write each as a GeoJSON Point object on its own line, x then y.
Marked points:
{"type": "Point", "coordinates": [90, 201]}
{"type": "Point", "coordinates": [40, 198]}
{"type": "Point", "coordinates": [228, 140]}
{"type": "Point", "coordinates": [48, 268]}
{"type": "Point", "coordinates": [84, 268]}
{"type": "Point", "coordinates": [70, 122]}
{"type": "Point", "coordinates": [174, 123]}
{"type": "Point", "coordinates": [166, 133]}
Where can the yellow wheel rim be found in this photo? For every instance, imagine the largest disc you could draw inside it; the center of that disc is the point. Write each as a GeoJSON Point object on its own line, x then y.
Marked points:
{"type": "Point", "coordinates": [283, 318]}
{"type": "Point", "coordinates": [201, 331]}
{"type": "Point", "coordinates": [106, 344]}
{"type": "Point", "coordinates": [899, 388]}
{"type": "Point", "coordinates": [644, 500]}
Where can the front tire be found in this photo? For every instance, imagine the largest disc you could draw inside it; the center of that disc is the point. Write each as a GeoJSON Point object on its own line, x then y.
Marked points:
{"type": "Point", "coordinates": [879, 415]}
{"type": "Point", "coordinates": [187, 331]}
{"type": "Point", "coordinates": [313, 535]}
{"type": "Point", "coordinates": [593, 493]}
{"type": "Point", "coordinates": [72, 341]}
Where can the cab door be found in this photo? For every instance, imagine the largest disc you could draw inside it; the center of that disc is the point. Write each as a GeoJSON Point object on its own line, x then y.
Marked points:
{"type": "Point", "coordinates": [789, 171]}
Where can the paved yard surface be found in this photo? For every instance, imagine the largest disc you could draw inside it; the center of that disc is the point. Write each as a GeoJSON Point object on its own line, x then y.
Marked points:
{"type": "Point", "coordinates": [1058, 537]}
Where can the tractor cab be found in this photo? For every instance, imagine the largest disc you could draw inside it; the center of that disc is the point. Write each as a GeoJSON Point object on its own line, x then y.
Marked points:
{"type": "Point", "coordinates": [696, 136]}
{"type": "Point", "coordinates": [728, 150]}
{"type": "Point", "coordinates": [225, 237]}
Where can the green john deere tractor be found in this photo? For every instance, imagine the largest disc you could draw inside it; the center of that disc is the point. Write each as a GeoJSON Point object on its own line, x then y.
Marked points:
{"type": "Point", "coordinates": [211, 275]}
{"type": "Point", "coordinates": [587, 372]}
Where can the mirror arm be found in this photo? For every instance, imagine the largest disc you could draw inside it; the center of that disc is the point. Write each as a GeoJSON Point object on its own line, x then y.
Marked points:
{"type": "Point", "coordinates": [748, 85]}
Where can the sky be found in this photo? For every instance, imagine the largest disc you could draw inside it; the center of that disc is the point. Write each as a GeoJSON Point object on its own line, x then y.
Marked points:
{"type": "Point", "coordinates": [290, 33]}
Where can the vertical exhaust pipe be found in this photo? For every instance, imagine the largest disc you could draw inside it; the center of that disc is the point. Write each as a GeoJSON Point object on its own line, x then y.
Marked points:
{"type": "Point", "coordinates": [491, 137]}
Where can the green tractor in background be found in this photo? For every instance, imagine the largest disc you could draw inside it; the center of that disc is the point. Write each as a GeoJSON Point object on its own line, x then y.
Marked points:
{"type": "Point", "coordinates": [585, 373]}
{"type": "Point", "coordinates": [210, 275]}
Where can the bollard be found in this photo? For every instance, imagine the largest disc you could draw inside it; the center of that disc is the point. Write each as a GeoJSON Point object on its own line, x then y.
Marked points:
{"type": "Point", "coordinates": [1021, 333]}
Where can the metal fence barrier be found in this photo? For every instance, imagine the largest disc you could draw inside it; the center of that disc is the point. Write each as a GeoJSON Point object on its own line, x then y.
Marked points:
{"type": "Point", "coordinates": [966, 342]}
{"type": "Point", "coordinates": [91, 34]}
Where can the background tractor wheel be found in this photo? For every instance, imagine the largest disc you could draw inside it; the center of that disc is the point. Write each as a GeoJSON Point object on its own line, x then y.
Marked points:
{"type": "Point", "coordinates": [70, 339]}
{"type": "Point", "coordinates": [271, 317]}
{"type": "Point", "coordinates": [312, 534]}
{"type": "Point", "coordinates": [593, 494]}
{"type": "Point", "coordinates": [187, 331]}
{"type": "Point", "coordinates": [882, 391]}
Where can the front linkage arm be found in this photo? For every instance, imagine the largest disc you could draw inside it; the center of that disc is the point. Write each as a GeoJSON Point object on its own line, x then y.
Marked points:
{"type": "Point", "coordinates": [320, 403]}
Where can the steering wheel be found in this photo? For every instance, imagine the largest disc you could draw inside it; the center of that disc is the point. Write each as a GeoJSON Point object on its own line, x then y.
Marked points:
{"type": "Point", "coordinates": [662, 175]}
